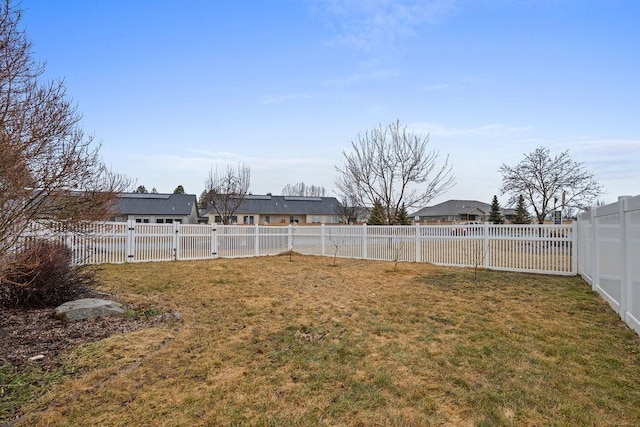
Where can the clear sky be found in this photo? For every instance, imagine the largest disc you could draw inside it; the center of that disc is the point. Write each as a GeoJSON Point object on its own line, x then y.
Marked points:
{"type": "Point", "coordinates": [174, 88]}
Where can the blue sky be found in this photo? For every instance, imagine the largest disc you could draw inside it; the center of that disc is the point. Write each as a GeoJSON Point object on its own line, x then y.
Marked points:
{"type": "Point", "coordinates": [172, 89]}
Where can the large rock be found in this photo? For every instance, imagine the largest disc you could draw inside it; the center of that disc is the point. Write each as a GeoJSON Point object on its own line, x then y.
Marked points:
{"type": "Point", "coordinates": [87, 308]}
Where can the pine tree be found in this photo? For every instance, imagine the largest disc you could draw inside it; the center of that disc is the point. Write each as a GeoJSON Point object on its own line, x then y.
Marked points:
{"type": "Point", "coordinates": [522, 215]}
{"type": "Point", "coordinates": [495, 216]}
{"type": "Point", "coordinates": [402, 217]}
{"type": "Point", "coordinates": [377, 216]}
{"type": "Point", "coordinates": [202, 201]}
{"type": "Point", "coordinates": [141, 189]}
{"type": "Point", "coordinates": [179, 190]}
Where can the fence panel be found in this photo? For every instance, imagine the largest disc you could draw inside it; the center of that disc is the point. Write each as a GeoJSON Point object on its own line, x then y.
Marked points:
{"type": "Point", "coordinates": [631, 265]}
{"type": "Point", "coordinates": [272, 240]}
{"type": "Point", "coordinates": [531, 248]}
{"type": "Point", "coordinates": [153, 242]}
{"type": "Point", "coordinates": [305, 240]}
{"type": "Point", "coordinates": [236, 241]}
{"type": "Point", "coordinates": [344, 241]}
{"type": "Point", "coordinates": [98, 243]}
{"type": "Point", "coordinates": [609, 247]}
{"type": "Point", "coordinates": [194, 242]}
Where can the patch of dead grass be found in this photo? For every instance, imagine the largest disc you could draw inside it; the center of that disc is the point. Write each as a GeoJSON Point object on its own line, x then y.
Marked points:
{"type": "Point", "coordinates": [266, 341]}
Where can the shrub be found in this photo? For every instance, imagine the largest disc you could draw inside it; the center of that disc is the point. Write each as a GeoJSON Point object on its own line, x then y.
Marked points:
{"type": "Point", "coordinates": [41, 275]}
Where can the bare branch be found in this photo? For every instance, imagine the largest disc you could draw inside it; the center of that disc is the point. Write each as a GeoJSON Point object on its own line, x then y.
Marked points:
{"type": "Point", "coordinates": [542, 181]}
{"type": "Point", "coordinates": [301, 190]}
{"type": "Point", "coordinates": [393, 166]}
{"type": "Point", "coordinates": [226, 189]}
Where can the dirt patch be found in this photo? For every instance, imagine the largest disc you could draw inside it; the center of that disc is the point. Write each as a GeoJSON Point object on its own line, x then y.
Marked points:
{"type": "Point", "coordinates": [34, 332]}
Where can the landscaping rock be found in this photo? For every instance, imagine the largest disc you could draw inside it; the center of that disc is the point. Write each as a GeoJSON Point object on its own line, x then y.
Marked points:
{"type": "Point", "coordinates": [87, 308]}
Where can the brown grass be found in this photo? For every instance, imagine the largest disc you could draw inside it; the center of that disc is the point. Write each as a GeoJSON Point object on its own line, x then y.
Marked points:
{"type": "Point", "coordinates": [266, 341]}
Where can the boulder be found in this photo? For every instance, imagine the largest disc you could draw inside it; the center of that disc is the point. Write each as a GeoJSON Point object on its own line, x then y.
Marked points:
{"type": "Point", "coordinates": [88, 307]}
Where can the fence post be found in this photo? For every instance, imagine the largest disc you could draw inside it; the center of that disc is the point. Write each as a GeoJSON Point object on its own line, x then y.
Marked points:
{"type": "Point", "coordinates": [595, 273]}
{"type": "Point", "coordinates": [129, 241]}
{"type": "Point", "coordinates": [322, 250]}
{"type": "Point", "coordinates": [214, 240]}
{"type": "Point", "coordinates": [256, 241]}
{"type": "Point", "coordinates": [575, 241]}
{"type": "Point", "coordinates": [176, 241]}
{"type": "Point", "coordinates": [364, 241]}
{"type": "Point", "coordinates": [485, 247]}
{"type": "Point", "coordinates": [418, 243]}
{"type": "Point", "coordinates": [625, 280]}
{"type": "Point", "coordinates": [290, 238]}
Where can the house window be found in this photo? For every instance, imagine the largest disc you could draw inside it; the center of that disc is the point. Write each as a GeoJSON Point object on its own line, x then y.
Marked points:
{"type": "Point", "coordinates": [315, 219]}
{"type": "Point", "coordinates": [267, 219]}
{"type": "Point", "coordinates": [294, 219]}
{"type": "Point", "coordinates": [166, 220]}
{"type": "Point", "coordinates": [142, 220]}
{"type": "Point", "coordinates": [248, 219]}
{"type": "Point", "coordinates": [218, 219]}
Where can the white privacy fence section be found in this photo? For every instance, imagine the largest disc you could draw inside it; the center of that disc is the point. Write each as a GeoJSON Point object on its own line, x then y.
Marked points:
{"type": "Point", "coordinates": [609, 255]}
{"type": "Point", "coordinates": [90, 243]}
{"type": "Point", "coordinates": [527, 248]}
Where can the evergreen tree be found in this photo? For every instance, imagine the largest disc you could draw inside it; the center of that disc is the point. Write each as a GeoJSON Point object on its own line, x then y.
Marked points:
{"type": "Point", "coordinates": [402, 217]}
{"type": "Point", "coordinates": [495, 217]}
{"type": "Point", "coordinates": [522, 215]}
{"type": "Point", "coordinates": [377, 216]}
{"type": "Point", "coordinates": [179, 190]}
{"type": "Point", "coordinates": [202, 201]}
{"type": "Point", "coordinates": [154, 190]}
{"type": "Point", "coordinates": [141, 189]}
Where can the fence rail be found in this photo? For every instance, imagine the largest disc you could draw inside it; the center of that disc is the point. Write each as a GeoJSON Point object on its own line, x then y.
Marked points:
{"type": "Point", "coordinates": [548, 249]}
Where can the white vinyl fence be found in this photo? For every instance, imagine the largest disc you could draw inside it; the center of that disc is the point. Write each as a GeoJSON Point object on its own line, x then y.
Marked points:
{"type": "Point", "coordinates": [609, 255]}
{"type": "Point", "coordinates": [536, 248]}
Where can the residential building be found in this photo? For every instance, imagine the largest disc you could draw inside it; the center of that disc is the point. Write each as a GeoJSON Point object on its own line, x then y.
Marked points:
{"type": "Point", "coordinates": [156, 208]}
{"type": "Point", "coordinates": [274, 210]}
{"type": "Point", "coordinates": [459, 211]}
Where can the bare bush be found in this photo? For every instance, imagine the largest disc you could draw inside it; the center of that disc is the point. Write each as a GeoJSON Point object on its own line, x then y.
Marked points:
{"type": "Point", "coordinates": [41, 275]}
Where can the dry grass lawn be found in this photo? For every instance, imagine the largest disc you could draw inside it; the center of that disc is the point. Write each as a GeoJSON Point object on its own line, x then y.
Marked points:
{"type": "Point", "coordinates": [268, 341]}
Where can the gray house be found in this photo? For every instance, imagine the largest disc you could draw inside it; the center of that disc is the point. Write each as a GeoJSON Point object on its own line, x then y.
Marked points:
{"type": "Point", "coordinates": [269, 209]}
{"type": "Point", "coordinates": [155, 208]}
{"type": "Point", "coordinates": [459, 210]}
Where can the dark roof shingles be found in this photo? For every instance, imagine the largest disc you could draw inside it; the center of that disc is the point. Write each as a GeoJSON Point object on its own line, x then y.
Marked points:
{"type": "Point", "coordinates": [156, 204]}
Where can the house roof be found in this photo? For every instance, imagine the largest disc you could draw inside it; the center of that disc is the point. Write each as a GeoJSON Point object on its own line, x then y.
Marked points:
{"type": "Point", "coordinates": [459, 207]}
{"type": "Point", "coordinates": [156, 204]}
{"type": "Point", "coordinates": [455, 207]}
{"type": "Point", "coordinates": [287, 205]}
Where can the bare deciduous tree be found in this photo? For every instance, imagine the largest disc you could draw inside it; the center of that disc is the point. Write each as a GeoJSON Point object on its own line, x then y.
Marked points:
{"type": "Point", "coordinates": [545, 182]}
{"type": "Point", "coordinates": [226, 189]}
{"type": "Point", "coordinates": [50, 171]}
{"type": "Point", "coordinates": [348, 210]}
{"type": "Point", "coordinates": [392, 165]}
{"type": "Point", "coordinates": [302, 190]}
{"type": "Point", "coordinates": [337, 241]}
{"type": "Point", "coordinates": [398, 247]}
